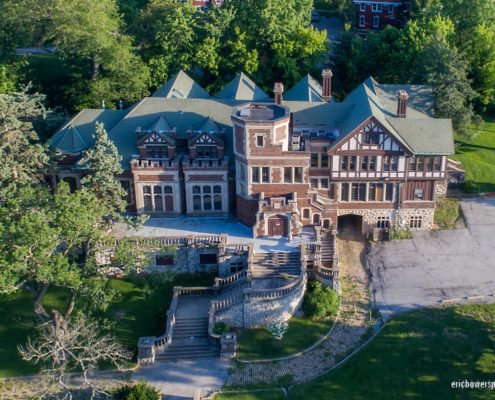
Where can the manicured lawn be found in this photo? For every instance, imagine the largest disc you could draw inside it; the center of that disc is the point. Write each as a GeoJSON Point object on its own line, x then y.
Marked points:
{"type": "Point", "coordinates": [478, 159]}
{"type": "Point", "coordinates": [137, 310]}
{"type": "Point", "coordinates": [302, 333]}
{"type": "Point", "coordinates": [264, 395]}
{"type": "Point", "coordinates": [417, 356]}
{"type": "Point", "coordinates": [447, 213]}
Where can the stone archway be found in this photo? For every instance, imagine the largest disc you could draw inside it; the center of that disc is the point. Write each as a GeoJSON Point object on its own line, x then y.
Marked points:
{"type": "Point", "coordinates": [350, 223]}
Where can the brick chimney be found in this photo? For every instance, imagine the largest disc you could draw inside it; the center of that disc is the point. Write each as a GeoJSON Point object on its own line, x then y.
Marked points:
{"type": "Point", "coordinates": [327, 84]}
{"type": "Point", "coordinates": [402, 97]}
{"type": "Point", "coordinates": [278, 90]}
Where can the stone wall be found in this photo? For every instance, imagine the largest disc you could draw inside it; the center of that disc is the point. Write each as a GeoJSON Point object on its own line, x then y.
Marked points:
{"type": "Point", "coordinates": [441, 188]}
{"type": "Point", "coordinates": [426, 214]}
{"type": "Point", "coordinates": [187, 260]}
{"type": "Point", "coordinates": [226, 259]}
{"type": "Point", "coordinates": [232, 316]}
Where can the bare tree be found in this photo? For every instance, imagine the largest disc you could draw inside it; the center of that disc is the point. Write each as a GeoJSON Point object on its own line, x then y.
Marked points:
{"type": "Point", "coordinates": [76, 345]}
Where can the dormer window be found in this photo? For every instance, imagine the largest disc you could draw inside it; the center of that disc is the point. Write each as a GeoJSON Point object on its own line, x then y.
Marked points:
{"type": "Point", "coordinates": [157, 151]}
{"type": "Point", "coordinates": [206, 151]}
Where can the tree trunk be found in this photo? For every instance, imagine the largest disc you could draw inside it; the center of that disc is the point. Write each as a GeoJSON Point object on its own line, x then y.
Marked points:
{"type": "Point", "coordinates": [70, 306]}
{"type": "Point", "coordinates": [38, 306]}
{"type": "Point", "coordinates": [95, 68]}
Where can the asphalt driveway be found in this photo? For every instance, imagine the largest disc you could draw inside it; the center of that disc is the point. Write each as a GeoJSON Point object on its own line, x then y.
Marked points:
{"type": "Point", "coordinates": [439, 266]}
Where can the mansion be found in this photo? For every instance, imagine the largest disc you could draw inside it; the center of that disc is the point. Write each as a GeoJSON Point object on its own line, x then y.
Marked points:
{"type": "Point", "coordinates": [279, 164]}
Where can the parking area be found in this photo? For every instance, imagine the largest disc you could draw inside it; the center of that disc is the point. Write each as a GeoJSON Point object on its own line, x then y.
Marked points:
{"type": "Point", "coordinates": [437, 266]}
{"type": "Point", "coordinates": [332, 25]}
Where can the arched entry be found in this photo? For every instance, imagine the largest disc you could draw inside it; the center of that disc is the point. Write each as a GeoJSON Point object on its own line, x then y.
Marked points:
{"type": "Point", "coordinates": [350, 223]}
{"type": "Point", "coordinates": [326, 224]}
{"type": "Point", "coordinates": [278, 225]}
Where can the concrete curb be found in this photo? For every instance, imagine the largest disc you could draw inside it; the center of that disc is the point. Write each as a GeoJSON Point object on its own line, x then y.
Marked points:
{"type": "Point", "coordinates": [299, 354]}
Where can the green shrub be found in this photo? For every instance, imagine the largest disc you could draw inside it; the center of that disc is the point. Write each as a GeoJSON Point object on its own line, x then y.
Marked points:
{"type": "Point", "coordinates": [221, 327]}
{"type": "Point", "coordinates": [140, 391]}
{"type": "Point", "coordinates": [320, 301]}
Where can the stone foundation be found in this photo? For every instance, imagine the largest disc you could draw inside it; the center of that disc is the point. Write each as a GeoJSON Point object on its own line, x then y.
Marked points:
{"type": "Point", "coordinates": [187, 261]}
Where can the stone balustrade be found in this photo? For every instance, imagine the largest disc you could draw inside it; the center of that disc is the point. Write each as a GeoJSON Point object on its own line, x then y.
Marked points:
{"type": "Point", "coordinates": [242, 275]}
{"type": "Point", "coordinates": [276, 293]}
{"type": "Point", "coordinates": [180, 240]}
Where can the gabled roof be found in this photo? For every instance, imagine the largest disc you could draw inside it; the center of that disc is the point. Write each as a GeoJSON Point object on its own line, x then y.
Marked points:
{"type": "Point", "coordinates": [156, 137]}
{"type": "Point", "coordinates": [241, 88]}
{"type": "Point", "coordinates": [160, 125]}
{"type": "Point", "coordinates": [209, 126]}
{"type": "Point", "coordinates": [68, 140]}
{"type": "Point", "coordinates": [307, 89]}
{"type": "Point", "coordinates": [181, 86]}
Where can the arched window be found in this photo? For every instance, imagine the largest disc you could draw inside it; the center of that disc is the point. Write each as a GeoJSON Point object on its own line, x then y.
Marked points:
{"type": "Point", "coordinates": [197, 202]}
{"type": "Point", "coordinates": [316, 219]}
{"type": "Point", "coordinates": [206, 189]}
{"type": "Point", "coordinates": [196, 189]}
{"type": "Point", "coordinates": [147, 198]}
{"type": "Point", "coordinates": [167, 189]}
{"type": "Point", "coordinates": [217, 202]}
{"type": "Point", "coordinates": [158, 203]}
{"type": "Point", "coordinates": [217, 189]}
{"type": "Point", "coordinates": [207, 202]}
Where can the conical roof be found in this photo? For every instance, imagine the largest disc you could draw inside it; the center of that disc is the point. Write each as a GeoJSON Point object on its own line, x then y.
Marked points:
{"type": "Point", "coordinates": [69, 140]}
{"type": "Point", "coordinates": [181, 86]}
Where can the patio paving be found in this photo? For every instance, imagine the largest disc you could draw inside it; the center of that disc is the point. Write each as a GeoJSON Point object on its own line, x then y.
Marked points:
{"type": "Point", "coordinates": [237, 232]}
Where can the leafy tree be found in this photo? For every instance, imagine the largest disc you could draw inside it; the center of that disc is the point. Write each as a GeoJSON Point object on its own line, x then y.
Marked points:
{"type": "Point", "coordinates": [444, 69]}
{"type": "Point", "coordinates": [320, 301]}
{"type": "Point", "coordinates": [7, 81]}
{"type": "Point", "coordinates": [23, 158]}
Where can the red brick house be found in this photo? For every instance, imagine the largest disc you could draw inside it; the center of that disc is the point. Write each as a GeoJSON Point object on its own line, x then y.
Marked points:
{"type": "Point", "coordinates": [377, 159]}
{"type": "Point", "coordinates": [375, 15]}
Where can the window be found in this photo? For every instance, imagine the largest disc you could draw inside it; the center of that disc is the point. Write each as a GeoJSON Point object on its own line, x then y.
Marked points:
{"type": "Point", "coordinates": [362, 20]}
{"type": "Point", "coordinates": [298, 178]}
{"type": "Point", "coordinates": [390, 8]}
{"type": "Point", "coordinates": [167, 189]}
{"type": "Point", "coordinates": [147, 198]}
{"type": "Point", "coordinates": [156, 151]}
{"type": "Point", "coordinates": [418, 194]}
{"type": "Point", "coordinates": [206, 151]}
{"type": "Point", "coordinates": [358, 192]}
{"type": "Point", "coordinates": [157, 190]}
{"type": "Point", "coordinates": [265, 174]}
{"type": "Point", "coordinates": [421, 163]}
{"type": "Point", "coordinates": [255, 174]}
{"type": "Point", "coordinates": [394, 163]}
{"type": "Point", "coordinates": [376, 7]}
{"type": "Point", "coordinates": [343, 165]}
{"type": "Point", "coordinates": [362, 192]}
{"type": "Point", "coordinates": [243, 189]}
{"type": "Point", "coordinates": [352, 163]}
{"type": "Point", "coordinates": [197, 202]}
{"type": "Point", "coordinates": [375, 192]}
{"type": "Point", "coordinates": [412, 164]}
{"type": "Point", "coordinates": [243, 172]}
{"type": "Point", "coordinates": [314, 160]}
{"type": "Point", "coordinates": [344, 196]}
{"type": "Point", "coordinates": [364, 163]}
{"type": "Point", "coordinates": [306, 213]}
{"type": "Point", "coordinates": [371, 138]}
{"type": "Point", "coordinates": [389, 192]}
{"type": "Point", "coordinates": [126, 185]}
{"type": "Point", "coordinates": [383, 222]}
{"type": "Point", "coordinates": [324, 183]}
{"type": "Point", "coordinates": [376, 21]}
{"type": "Point", "coordinates": [354, 192]}
{"type": "Point", "coordinates": [217, 202]}
{"type": "Point", "coordinates": [415, 222]}
{"type": "Point", "coordinates": [217, 189]}
{"type": "Point", "coordinates": [324, 160]}
{"type": "Point", "coordinates": [436, 163]}
{"type": "Point", "coordinates": [362, 7]}
{"type": "Point", "coordinates": [259, 141]}
{"type": "Point", "coordinates": [196, 189]}
{"type": "Point", "coordinates": [206, 189]}
{"type": "Point", "coordinates": [316, 219]}
{"type": "Point", "coordinates": [386, 163]}
{"type": "Point", "coordinates": [429, 163]}
{"type": "Point", "coordinates": [207, 202]}
{"type": "Point", "coordinates": [314, 183]}
{"type": "Point", "coordinates": [288, 174]}
{"type": "Point", "coordinates": [158, 203]}
{"type": "Point", "coordinates": [208, 258]}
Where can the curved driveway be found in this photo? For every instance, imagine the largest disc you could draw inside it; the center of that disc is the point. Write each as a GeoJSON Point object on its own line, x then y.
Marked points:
{"type": "Point", "coordinates": [438, 266]}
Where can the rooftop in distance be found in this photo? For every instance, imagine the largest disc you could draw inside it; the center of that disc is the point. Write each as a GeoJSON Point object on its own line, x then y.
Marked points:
{"type": "Point", "coordinates": [260, 112]}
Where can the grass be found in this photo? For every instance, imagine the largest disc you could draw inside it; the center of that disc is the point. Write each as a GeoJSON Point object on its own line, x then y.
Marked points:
{"type": "Point", "coordinates": [264, 395]}
{"type": "Point", "coordinates": [302, 333]}
{"type": "Point", "coordinates": [138, 309]}
{"type": "Point", "coordinates": [417, 356]}
{"type": "Point", "coordinates": [478, 159]}
{"type": "Point", "coordinates": [447, 213]}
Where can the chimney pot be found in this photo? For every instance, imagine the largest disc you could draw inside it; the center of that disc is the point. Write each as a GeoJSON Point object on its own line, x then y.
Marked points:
{"type": "Point", "coordinates": [402, 98]}
{"type": "Point", "coordinates": [278, 91]}
{"type": "Point", "coordinates": [326, 91]}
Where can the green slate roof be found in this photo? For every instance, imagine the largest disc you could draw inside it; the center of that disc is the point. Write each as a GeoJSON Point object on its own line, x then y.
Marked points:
{"type": "Point", "coordinates": [307, 89]}
{"type": "Point", "coordinates": [78, 133]}
{"type": "Point", "coordinates": [181, 86]}
{"type": "Point", "coordinates": [160, 125]}
{"type": "Point", "coordinates": [209, 126]}
{"type": "Point", "coordinates": [241, 88]}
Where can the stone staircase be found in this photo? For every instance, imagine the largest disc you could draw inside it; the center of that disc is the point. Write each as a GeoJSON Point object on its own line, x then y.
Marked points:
{"type": "Point", "coordinates": [327, 249]}
{"type": "Point", "coordinates": [276, 264]}
{"type": "Point", "coordinates": [190, 335]}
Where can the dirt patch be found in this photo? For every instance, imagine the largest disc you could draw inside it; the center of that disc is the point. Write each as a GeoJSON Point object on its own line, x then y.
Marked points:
{"type": "Point", "coordinates": [352, 256]}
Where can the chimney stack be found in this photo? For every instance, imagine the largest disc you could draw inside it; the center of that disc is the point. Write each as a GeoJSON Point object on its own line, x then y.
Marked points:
{"type": "Point", "coordinates": [327, 84]}
{"type": "Point", "coordinates": [402, 103]}
{"type": "Point", "coordinates": [278, 90]}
